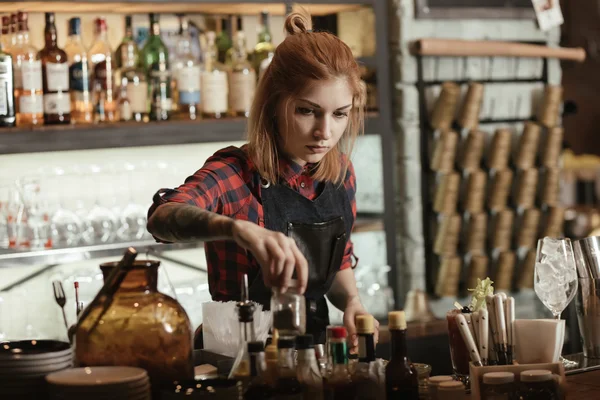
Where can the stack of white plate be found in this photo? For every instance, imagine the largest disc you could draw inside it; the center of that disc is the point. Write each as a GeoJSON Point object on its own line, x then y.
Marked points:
{"type": "Point", "coordinates": [24, 365]}
{"type": "Point", "coordinates": [100, 383]}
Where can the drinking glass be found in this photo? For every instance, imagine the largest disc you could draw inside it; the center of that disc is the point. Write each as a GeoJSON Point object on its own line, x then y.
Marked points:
{"type": "Point", "coordinates": [555, 276]}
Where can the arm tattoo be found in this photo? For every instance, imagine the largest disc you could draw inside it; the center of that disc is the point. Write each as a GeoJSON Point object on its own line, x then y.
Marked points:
{"type": "Point", "coordinates": [176, 222]}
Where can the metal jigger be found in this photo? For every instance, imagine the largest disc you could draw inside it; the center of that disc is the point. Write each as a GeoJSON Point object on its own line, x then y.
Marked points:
{"type": "Point", "coordinates": [417, 307]}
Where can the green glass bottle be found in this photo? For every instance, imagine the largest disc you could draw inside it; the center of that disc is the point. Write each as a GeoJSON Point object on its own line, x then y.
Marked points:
{"type": "Point", "coordinates": [125, 43]}
{"type": "Point", "coordinates": [264, 49]}
{"type": "Point", "coordinates": [224, 40]}
{"type": "Point", "coordinates": [155, 61]}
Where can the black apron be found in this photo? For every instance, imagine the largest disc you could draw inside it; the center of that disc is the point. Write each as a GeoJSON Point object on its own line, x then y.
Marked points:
{"type": "Point", "coordinates": [321, 228]}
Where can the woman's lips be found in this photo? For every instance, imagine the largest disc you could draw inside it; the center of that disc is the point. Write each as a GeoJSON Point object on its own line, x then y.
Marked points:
{"type": "Point", "coordinates": [317, 149]}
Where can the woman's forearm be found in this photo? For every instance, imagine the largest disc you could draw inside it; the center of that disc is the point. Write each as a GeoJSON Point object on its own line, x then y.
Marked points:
{"type": "Point", "coordinates": [343, 290]}
{"type": "Point", "coordinates": [177, 222]}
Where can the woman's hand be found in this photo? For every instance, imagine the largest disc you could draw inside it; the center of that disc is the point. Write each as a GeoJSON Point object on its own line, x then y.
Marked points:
{"type": "Point", "coordinates": [276, 253]}
{"type": "Point", "coordinates": [354, 308]}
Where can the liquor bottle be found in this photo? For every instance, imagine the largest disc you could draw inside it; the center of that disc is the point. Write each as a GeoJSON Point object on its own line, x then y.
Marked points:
{"type": "Point", "coordinates": [364, 384]}
{"type": "Point", "coordinates": [241, 365]}
{"type": "Point", "coordinates": [134, 85]}
{"type": "Point", "coordinates": [287, 385]}
{"type": "Point", "coordinates": [6, 35]}
{"type": "Point", "coordinates": [55, 77]}
{"type": "Point", "coordinates": [264, 49]}
{"type": "Point", "coordinates": [14, 29]}
{"type": "Point", "coordinates": [401, 379]}
{"type": "Point", "coordinates": [307, 371]}
{"type": "Point", "coordinates": [214, 84]}
{"type": "Point", "coordinates": [337, 382]}
{"type": "Point", "coordinates": [224, 41]}
{"type": "Point", "coordinates": [102, 61]}
{"type": "Point", "coordinates": [27, 69]}
{"type": "Point", "coordinates": [155, 59]}
{"type": "Point", "coordinates": [242, 78]}
{"type": "Point", "coordinates": [82, 109]}
{"type": "Point", "coordinates": [7, 92]}
{"type": "Point", "coordinates": [127, 40]}
{"type": "Point", "coordinates": [187, 74]}
{"type": "Point", "coordinates": [258, 388]}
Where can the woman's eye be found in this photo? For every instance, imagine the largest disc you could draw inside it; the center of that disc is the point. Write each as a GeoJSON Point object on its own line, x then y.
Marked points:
{"type": "Point", "coordinates": [340, 114]}
{"type": "Point", "coordinates": [304, 110]}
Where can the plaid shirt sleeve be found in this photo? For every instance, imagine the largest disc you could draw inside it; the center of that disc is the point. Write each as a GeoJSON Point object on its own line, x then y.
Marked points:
{"type": "Point", "coordinates": [350, 260]}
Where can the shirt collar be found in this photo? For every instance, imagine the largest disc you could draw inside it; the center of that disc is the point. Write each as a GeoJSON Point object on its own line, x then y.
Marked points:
{"type": "Point", "coordinates": [290, 170]}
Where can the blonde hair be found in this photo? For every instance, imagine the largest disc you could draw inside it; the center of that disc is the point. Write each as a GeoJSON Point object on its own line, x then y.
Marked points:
{"type": "Point", "coordinates": [303, 56]}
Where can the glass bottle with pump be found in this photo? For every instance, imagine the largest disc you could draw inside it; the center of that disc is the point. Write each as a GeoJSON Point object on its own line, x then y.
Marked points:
{"type": "Point", "coordinates": [187, 74]}
{"type": "Point", "coordinates": [401, 378]}
{"type": "Point", "coordinates": [102, 62]}
{"type": "Point", "coordinates": [242, 78]}
{"type": "Point", "coordinates": [307, 371]}
{"type": "Point", "coordinates": [258, 388]}
{"type": "Point", "coordinates": [82, 108]}
{"type": "Point", "coordinates": [55, 77]}
{"type": "Point", "coordinates": [214, 84]}
{"type": "Point", "coordinates": [27, 69]}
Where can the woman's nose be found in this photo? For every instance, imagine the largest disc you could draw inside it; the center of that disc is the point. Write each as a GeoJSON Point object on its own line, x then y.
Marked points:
{"type": "Point", "coordinates": [323, 129]}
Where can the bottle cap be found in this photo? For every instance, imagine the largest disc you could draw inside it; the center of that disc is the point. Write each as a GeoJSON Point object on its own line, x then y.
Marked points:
{"type": "Point", "coordinates": [5, 20]}
{"type": "Point", "coordinates": [100, 24]}
{"type": "Point", "coordinates": [338, 332]}
{"type": "Point", "coordinates": [396, 320]}
{"type": "Point", "coordinates": [436, 380]}
{"type": "Point", "coordinates": [285, 343]}
{"type": "Point", "coordinates": [304, 342]}
{"type": "Point", "coordinates": [255, 347]}
{"type": "Point", "coordinates": [497, 378]}
{"type": "Point", "coordinates": [451, 386]}
{"type": "Point", "coordinates": [365, 324]}
{"type": "Point", "coordinates": [271, 352]}
{"type": "Point", "coordinates": [49, 17]}
{"type": "Point", "coordinates": [75, 29]}
{"type": "Point", "coordinates": [536, 375]}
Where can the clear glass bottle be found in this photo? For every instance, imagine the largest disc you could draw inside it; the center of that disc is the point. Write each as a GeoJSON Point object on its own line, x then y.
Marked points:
{"type": "Point", "coordinates": [242, 78]}
{"type": "Point", "coordinates": [125, 113]}
{"type": "Point", "coordinates": [401, 378]}
{"type": "Point", "coordinates": [264, 49]}
{"type": "Point", "coordinates": [125, 45]}
{"type": "Point", "coordinates": [307, 371]}
{"type": "Point", "coordinates": [6, 35]}
{"type": "Point", "coordinates": [134, 84]}
{"type": "Point", "coordinates": [155, 59]}
{"type": "Point", "coordinates": [27, 69]}
{"type": "Point", "coordinates": [7, 92]}
{"type": "Point", "coordinates": [214, 84]}
{"type": "Point", "coordinates": [103, 68]}
{"type": "Point", "coordinates": [187, 74]}
{"type": "Point", "coordinates": [224, 39]}
{"type": "Point", "coordinates": [55, 77]}
{"type": "Point", "coordinates": [258, 387]}
{"type": "Point", "coordinates": [14, 29]}
{"type": "Point", "coordinates": [82, 108]}
{"type": "Point", "coordinates": [287, 386]}
{"type": "Point", "coordinates": [241, 365]}
{"type": "Point", "coordinates": [337, 382]}
{"type": "Point", "coordinates": [140, 328]}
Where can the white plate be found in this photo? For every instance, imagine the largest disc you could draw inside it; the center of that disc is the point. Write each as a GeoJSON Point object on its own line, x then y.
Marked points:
{"type": "Point", "coordinates": [96, 376]}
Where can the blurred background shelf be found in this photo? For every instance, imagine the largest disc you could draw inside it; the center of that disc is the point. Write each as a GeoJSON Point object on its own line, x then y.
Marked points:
{"type": "Point", "coordinates": [128, 134]}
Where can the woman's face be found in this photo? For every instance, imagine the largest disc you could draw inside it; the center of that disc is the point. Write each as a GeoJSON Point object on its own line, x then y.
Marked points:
{"type": "Point", "coordinates": [316, 120]}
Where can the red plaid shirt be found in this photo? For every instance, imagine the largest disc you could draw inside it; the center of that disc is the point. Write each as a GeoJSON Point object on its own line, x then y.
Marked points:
{"type": "Point", "coordinates": [228, 184]}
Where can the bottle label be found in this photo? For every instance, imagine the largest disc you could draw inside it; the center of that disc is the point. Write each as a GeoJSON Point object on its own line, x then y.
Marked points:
{"type": "Point", "coordinates": [18, 76]}
{"type": "Point", "coordinates": [57, 77]}
{"type": "Point", "coordinates": [241, 88]}
{"type": "Point", "coordinates": [163, 103]}
{"type": "Point", "coordinates": [31, 73]}
{"type": "Point", "coordinates": [188, 79]}
{"type": "Point", "coordinates": [57, 103]}
{"type": "Point", "coordinates": [3, 96]}
{"type": "Point", "coordinates": [189, 97]}
{"type": "Point", "coordinates": [214, 92]}
{"type": "Point", "coordinates": [31, 104]}
{"type": "Point", "coordinates": [138, 97]}
{"type": "Point", "coordinates": [103, 74]}
{"type": "Point", "coordinates": [79, 77]}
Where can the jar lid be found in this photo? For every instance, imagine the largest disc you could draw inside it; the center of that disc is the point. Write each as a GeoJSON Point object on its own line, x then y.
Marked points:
{"type": "Point", "coordinates": [436, 380]}
{"type": "Point", "coordinates": [396, 320]}
{"type": "Point", "coordinates": [451, 386]}
{"type": "Point", "coordinates": [365, 324]}
{"type": "Point", "coordinates": [536, 375]}
{"type": "Point", "coordinates": [255, 347]}
{"type": "Point", "coordinates": [339, 332]}
{"type": "Point", "coordinates": [497, 378]}
{"type": "Point", "coordinates": [285, 343]}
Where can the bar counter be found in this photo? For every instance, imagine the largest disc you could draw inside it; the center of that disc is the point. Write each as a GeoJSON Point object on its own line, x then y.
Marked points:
{"type": "Point", "coordinates": [584, 386]}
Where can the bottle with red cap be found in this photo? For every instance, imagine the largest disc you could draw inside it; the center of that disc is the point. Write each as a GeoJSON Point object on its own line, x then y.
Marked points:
{"type": "Point", "coordinates": [337, 383]}
{"type": "Point", "coordinates": [401, 379]}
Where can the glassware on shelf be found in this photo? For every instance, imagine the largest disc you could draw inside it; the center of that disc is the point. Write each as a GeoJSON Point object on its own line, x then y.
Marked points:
{"type": "Point", "coordinates": [555, 277]}
{"type": "Point", "coordinates": [141, 327]}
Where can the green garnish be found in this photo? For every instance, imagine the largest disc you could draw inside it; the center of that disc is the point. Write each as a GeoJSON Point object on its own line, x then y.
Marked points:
{"type": "Point", "coordinates": [483, 289]}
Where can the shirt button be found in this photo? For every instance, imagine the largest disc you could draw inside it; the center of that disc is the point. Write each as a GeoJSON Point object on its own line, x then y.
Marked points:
{"type": "Point", "coordinates": [302, 185]}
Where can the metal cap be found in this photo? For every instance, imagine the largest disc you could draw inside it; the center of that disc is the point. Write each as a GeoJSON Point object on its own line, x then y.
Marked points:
{"type": "Point", "coordinates": [75, 26]}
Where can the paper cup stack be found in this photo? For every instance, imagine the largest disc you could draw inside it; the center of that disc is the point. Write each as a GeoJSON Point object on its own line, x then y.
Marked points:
{"type": "Point", "coordinates": [25, 364]}
{"type": "Point", "coordinates": [100, 383]}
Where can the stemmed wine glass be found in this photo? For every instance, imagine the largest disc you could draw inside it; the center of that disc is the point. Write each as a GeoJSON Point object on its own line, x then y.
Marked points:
{"type": "Point", "coordinates": [555, 277]}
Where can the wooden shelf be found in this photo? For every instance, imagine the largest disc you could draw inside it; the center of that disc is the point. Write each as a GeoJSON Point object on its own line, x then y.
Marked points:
{"type": "Point", "coordinates": [126, 134]}
{"type": "Point", "coordinates": [315, 7]}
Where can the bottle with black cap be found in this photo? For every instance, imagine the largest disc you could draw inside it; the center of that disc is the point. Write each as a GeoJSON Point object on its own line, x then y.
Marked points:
{"type": "Point", "coordinates": [307, 371]}
{"type": "Point", "coordinates": [287, 386]}
{"type": "Point", "coordinates": [258, 387]}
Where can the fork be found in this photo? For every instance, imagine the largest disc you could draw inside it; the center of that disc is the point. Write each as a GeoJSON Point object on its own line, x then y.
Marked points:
{"type": "Point", "coordinates": [61, 299]}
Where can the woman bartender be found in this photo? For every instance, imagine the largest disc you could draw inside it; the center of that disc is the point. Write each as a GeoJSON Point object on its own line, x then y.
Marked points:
{"type": "Point", "coordinates": [283, 204]}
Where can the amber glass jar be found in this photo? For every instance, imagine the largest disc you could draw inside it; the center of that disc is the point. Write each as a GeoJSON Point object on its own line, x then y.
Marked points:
{"type": "Point", "coordinates": [141, 328]}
